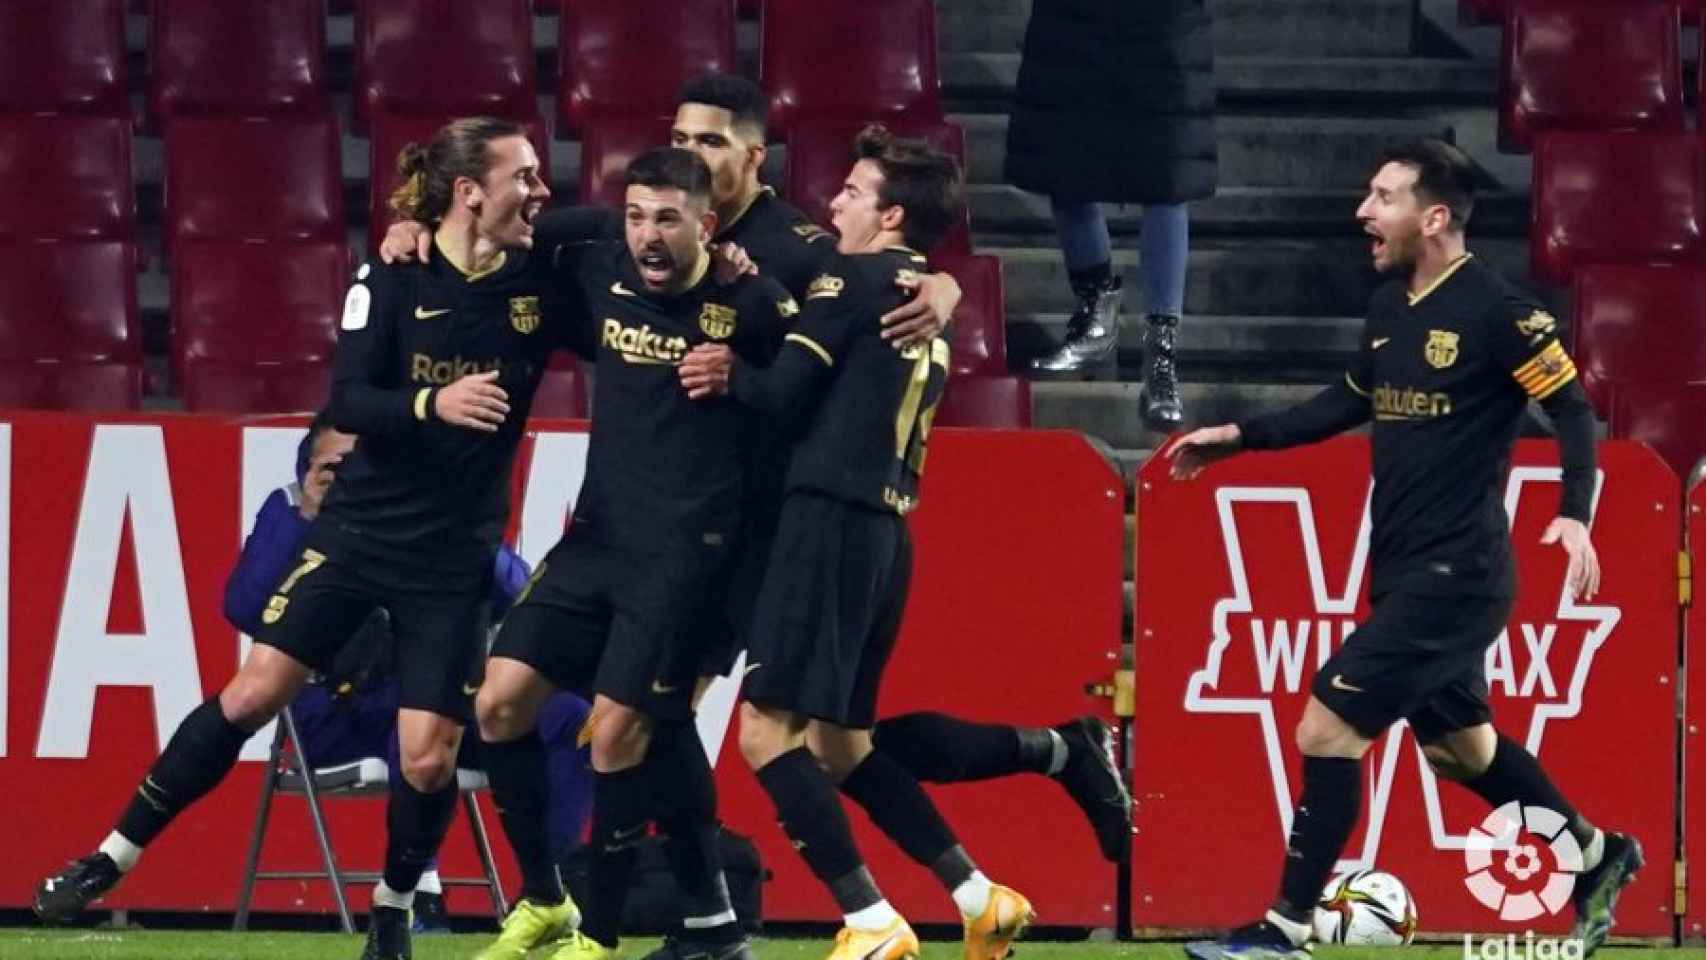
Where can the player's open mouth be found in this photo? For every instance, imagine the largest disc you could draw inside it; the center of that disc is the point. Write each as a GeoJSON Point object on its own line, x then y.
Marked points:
{"type": "Point", "coordinates": [1378, 246]}
{"type": "Point", "coordinates": [656, 266]}
{"type": "Point", "coordinates": [529, 213]}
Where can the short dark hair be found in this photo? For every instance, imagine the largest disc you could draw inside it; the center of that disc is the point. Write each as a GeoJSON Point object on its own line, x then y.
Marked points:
{"type": "Point", "coordinates": [458, 149]}
{"type": "Point", "coordinates": [744, 100]}
{"type": "Point", "coordinates": [923, 181]}
{"type": "Point", "coordinates": [671, 167]}
{"type": "Point", "coordinates": [321, 422]}
{"type": "Point", "coordinates": [1444, 175]}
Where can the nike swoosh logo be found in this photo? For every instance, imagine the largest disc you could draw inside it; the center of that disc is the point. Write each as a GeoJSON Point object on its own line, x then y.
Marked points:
{"type": "Point", "coordinates": [878, 951]}
{"type": "Point", "coordinates": [621, 291]}
{"type": "Point", "coordinates": [469, 689]}
{"type": "Point", "coordinates": [658, 687]}
{"type": "Point", "coordinates": [749, 668]}
{"type": "Point", "coordinates": [1340, 684]}
{"type": "Point", "coordinates": [1378, 342]}
{"type": "Point", "coordinates": [424, 314]}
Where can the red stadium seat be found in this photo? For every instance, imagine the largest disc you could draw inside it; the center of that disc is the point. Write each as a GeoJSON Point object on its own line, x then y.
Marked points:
{"type": "Point", "coordinates": [76, 171]}
{"type": "Point", "coordinates": [820, 154]}
{"type": "Point", "coordinates": [444, 58]}
{"type": "Point", "coordinates": [1614, 198]}
{"type": "Point", "coordinates": [985, 401]}
{"type": "Point", "coordinates": [1589, 65]}
{"type": "Point", "coordinates": [216, 56]}
{"type": "Point", "coordinates": [1640, 335]}
{"type": "Point", "coordinates": [393, 132]}
{"type": "Point", "coordinates": [871, 59]}
{"type": "Point", "coordinates": [565, 390]}
{"type": "Point", "coordinates": [69, 336]}
{"type": "Point", "coordinates": [56, 55]}
{"type": "Point", "coordinates": [253, 178]}
{"type": "Point", "coordinates": [980, 323]}
{"type": "Point", "coordinates": [608, 143]}
{"type": "Point", "coordinates": [254, 324]}
{"type": "Point", "coordinates": [633, 56]}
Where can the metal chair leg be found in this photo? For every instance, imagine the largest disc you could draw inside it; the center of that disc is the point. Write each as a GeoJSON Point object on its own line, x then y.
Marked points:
{"type": "Point", "coordinates": [252, 863]}
{"type": "Point", "coordinates": [321, 835]}
{"type": "Point", "coordinates": [483, 844]}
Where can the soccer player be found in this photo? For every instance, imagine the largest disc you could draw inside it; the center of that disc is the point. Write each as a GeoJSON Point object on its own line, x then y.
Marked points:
{"type": "Point", "coordinates": [1450, 358]}
{"type": "Point", "coordinates": [435, 370]}
{"type": "Point", "coordinates": [351, 712]}
{"type": "Point", "coordinates": [830, 606]}
{"type": "Point", "coordinates": [616, 606]}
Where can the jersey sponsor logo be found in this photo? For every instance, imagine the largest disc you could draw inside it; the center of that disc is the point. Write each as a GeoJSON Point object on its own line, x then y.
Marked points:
{"type": "Point", "coordinates": [422, 313]}
{"type": "Point", "coordinates": [1285, 617]}
{"type": "Point", "coordinates": [438, 373]}
{"type": "Point", "coordinates": [1441, 348]}
{"type": "Point", "coordinates": [717, 320]}
{"type": "Point", "coordinates": [787, 308]}
{"type": "Point", "coordinates": [825, 286]}
{"type": "Point", "coordinates": [524, 314]}
{"type": "Point", "coordinates": [357, 303]}
{"type": "Point", "coordinates": [641, 344]}
{"type": "Point", "coordinates": [1408, 403]}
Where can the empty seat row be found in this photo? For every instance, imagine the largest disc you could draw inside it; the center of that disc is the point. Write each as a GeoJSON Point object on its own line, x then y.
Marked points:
{"type": "Point", "coordinates": [453, 57]}
{"type": "Point", "coordinates": [1640, 344]}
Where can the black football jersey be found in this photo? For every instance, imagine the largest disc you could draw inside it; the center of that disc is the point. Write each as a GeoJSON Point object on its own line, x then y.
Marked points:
{"type": "Point", "coordinates": [664, 469]}
{"type": "Point", "coordinates": [865, 404]}
{"type": "Point", "coordinates": [427, 500]}
{"type": "Point", "coordinates": [1448, 374]}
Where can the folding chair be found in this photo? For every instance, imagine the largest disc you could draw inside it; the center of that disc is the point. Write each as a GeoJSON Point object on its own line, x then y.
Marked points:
{"type": "Point", "coordinates": [288, 774]}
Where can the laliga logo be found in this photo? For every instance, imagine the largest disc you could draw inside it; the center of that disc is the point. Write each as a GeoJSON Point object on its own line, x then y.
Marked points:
{"type": "Point", "coordinates": [1517, 842]}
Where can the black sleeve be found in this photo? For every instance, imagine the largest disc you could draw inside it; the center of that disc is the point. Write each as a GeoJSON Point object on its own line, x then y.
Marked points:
{"type": "Point", "coordinates": [561, 225]}
{"type": "Point", "coordinates": [1524, 340]}
{"type": "Point", "coordinates": [1573, 420]}
{"type": "Point", "coordinates": [362, 400]}
{"type": "Point", "coordinates": [565, 300]}
{"type": "Point", "coordinates": [767, 313]}
{"type": "Point", "coordinates": [796, 380]}
{"type": "Point", "coordinates": [1336, 409]}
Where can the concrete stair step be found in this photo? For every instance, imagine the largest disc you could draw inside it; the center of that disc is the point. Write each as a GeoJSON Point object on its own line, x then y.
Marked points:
{"type": "Point", "coordinates": [1111, 411]}
{"type": "Point", "coordinates": [1267, 277]}
{"type": "Point", "coordinates": [1255, 151]}
{"type": "Point", "coordinates": [1325, 28]}
{"type": "Point", "coordinates": [999, 210]}
{"type": "Point", "coordinates": [989, 77]}
{"type": "Point", "coordinates": [1256, 343]}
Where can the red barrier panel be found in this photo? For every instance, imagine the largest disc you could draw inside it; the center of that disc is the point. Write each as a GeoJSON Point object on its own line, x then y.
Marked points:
{"type": "Point", "coordinates": [1694, 720]}
{"type": "Point", "coordinates": [121, 532]}
{"type": "Point", "coordinates": [1251, 575]}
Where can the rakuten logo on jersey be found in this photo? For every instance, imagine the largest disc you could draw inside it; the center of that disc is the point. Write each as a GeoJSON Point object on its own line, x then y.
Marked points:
{"type": "Point", "coordinates": [1297, 573]}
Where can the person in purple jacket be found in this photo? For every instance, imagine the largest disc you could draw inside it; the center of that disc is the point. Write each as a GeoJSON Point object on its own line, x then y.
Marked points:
{"type": "Point", "coordinates": [351, 713]}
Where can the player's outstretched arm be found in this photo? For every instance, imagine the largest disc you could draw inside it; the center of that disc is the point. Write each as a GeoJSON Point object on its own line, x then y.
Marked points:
{"type": "Point", "coordinates": [1337, 408]}
{"type": "Point", "coordinates": [923, 317]}
{"type": "Point", "coordinates": [1193, 452]}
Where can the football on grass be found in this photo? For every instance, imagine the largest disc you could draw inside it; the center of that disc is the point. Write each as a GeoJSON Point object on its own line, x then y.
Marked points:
{"type": "Point", "coordinates": [1366, 908]}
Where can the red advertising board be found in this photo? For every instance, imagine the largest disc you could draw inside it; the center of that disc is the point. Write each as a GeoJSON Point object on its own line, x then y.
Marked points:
{"type": "Point", "coordinates": [120, 533]}
{"type": "Point", "coordinates": [1251, 575]}
{"type": "Point", "coordinates": [1694, 719]}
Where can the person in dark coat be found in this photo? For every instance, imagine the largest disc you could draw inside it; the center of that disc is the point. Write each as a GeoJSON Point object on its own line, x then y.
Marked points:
{"type": "Point", "coordinates": [1115, 104]}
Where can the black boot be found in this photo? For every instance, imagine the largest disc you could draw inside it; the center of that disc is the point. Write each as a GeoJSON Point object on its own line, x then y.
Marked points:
{"type": "Point", "coordinates": [1093, 331]}
{"type": "Point", "coordinates": [1162, 410]}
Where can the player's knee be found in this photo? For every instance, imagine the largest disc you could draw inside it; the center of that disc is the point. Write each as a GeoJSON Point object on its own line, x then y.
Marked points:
{"type": "Point", "coordinates": [250, 702]}
{"type": "Point", "coordinates": [500, 718]}
{"type": "Point", "coordinates": [1453, 764]}
{"type": "Point", "coordinates": [1324, 734]}
{"type": "Point", "coordinates": [762, 738]}
{"type": "Point", "coordinates": [620, 739]}
{"type": "Point", "coordinates": [429, 770]}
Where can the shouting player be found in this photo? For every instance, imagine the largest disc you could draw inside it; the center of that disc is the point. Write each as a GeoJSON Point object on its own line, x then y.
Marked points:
{"type": "Point", "coordinates": [435, 371]}
{"type": "Point", "coordinates": [830, 607]}
{"type": "Point", "coordinates": [1450, 357]}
